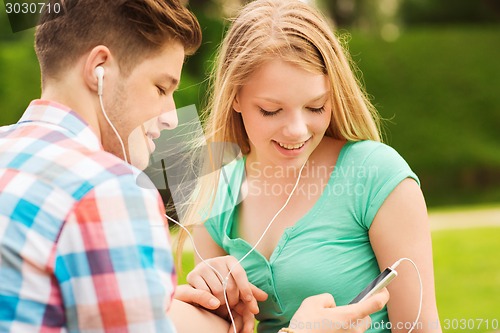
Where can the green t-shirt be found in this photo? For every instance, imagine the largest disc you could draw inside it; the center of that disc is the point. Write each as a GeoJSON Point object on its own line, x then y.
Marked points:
{"type": "Point", "coordinates": [328, 250]}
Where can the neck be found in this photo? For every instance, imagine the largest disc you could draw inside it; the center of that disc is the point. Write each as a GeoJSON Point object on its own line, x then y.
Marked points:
{"type": "Point", "coordinates": [70, 92]}
{"type": "Point", "coordinates": [273, 173]}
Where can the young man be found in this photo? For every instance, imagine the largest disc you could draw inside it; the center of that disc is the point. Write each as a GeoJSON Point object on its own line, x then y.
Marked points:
{"type": "Point", "coordinates": [83, 248]}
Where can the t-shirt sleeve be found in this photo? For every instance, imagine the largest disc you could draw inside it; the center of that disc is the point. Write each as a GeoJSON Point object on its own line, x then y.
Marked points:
{"type": "Point", "coordinates": [214, 228]}
{"type": "Point", "coordinates": [384, 170]}
{"type": "Point", "coordinates": [227, 198]}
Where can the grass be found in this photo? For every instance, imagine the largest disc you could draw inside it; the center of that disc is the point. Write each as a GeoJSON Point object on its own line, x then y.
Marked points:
{"type": "Point", "coordinates": [467, 275]}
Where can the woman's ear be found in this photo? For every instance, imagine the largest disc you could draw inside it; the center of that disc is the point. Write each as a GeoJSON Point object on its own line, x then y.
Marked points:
{"type": "Point", "coordinates": [236, 104]}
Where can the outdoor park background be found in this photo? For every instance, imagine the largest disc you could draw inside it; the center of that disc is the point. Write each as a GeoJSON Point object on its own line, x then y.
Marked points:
{"type": "Point", "coordinates": [432, 68]}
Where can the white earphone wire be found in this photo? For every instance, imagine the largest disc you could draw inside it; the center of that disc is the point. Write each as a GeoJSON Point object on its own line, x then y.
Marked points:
{"type": "Point", "coordinates": [113, 128]}
{"type": "Point", "coordinates": [396, 264]}
{"type": "Point", "coordinates": [226, 278]}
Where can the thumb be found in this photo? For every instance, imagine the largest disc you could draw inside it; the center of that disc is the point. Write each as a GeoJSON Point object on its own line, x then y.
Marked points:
{"type": "Point", "coordinates": [322, 300]}
{"type": "Point", "coordinates": [372, 304]}
{"type": "Point", "coordinates": [200, 297]}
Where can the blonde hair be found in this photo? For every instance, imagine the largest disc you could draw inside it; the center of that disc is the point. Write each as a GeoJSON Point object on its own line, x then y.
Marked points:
{"type": "Point", "coordinates": [294, 32]}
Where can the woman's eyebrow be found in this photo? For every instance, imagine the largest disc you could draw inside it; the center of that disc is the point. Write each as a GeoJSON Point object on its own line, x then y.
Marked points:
{"type": "Point", "coordinates": [275, 101]}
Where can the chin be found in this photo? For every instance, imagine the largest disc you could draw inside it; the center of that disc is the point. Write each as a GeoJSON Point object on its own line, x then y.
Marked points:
{"type": "Point", "coordinates": [140, 162]}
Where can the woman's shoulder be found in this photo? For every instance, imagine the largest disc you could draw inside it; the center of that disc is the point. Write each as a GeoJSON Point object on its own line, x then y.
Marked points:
{"type": "Point", "coordinates": [368, 146]}
{"type": "Point", "coordinates": [368, 151]}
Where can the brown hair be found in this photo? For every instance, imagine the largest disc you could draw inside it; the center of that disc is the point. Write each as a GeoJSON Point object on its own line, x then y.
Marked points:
{"type": "Point", "coordinates": [131, 29]}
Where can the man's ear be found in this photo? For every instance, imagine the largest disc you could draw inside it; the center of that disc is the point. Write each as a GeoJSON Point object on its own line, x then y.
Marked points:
{"type": "Point", "coordinates": [98, 56]}
{"type": "Point", "coordinates": [236, 104]}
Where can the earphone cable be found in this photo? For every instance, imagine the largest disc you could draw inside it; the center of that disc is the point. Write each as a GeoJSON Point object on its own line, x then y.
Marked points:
{"type": "Point", "coordinates": [225, 280]}
{"type": "Point", "coordinates": [396, 264]}
{"type": "Point", "coordinates": [113, 128]}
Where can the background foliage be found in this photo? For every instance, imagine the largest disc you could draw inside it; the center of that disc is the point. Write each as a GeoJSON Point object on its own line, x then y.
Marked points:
{"type": "Point", "coordinates": [431, 68]}
{"type": "Point", "coordinates": [434, 79]}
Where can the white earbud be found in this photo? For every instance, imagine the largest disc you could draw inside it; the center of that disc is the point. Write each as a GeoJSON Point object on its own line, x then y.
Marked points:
{"type": "Point", "coordinates": [99, 72]}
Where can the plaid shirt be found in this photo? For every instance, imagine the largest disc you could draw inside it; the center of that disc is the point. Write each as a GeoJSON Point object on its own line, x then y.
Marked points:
{"type": "Point", "coordinates": [82, 247]}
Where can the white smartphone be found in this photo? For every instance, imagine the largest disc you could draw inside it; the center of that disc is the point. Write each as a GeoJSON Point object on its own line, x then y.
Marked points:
{"type": "Point", "coordinates": [381, 281]}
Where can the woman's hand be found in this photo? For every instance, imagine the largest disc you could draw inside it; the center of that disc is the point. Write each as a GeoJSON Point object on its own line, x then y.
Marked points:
{"type": "Point", "coordinates": [319, 314]}
{"type": "Point", "coordinates": [242, 296]}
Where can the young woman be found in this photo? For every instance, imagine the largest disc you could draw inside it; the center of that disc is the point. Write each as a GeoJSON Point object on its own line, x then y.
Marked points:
{"type": "Point", "coordinates": [284, 91]}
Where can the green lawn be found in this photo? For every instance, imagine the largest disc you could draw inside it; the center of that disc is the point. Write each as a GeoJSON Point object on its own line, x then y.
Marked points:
{"type": "Point", "coordinates": [467, 273]}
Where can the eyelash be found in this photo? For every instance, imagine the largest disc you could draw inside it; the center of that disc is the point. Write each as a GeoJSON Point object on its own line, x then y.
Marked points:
{"type": "Point", "coordinates": [273, 113]}
{"type": "Point", "coordinates": [269, 113]}
{"type": "Point", "coordinates": [317, 110]}
{"type": "Point", "coordinates": [161, 91]}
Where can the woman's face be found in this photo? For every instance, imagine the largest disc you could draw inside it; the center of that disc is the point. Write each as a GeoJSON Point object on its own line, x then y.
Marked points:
{"type": "Point", "coordinates": [286, 111]}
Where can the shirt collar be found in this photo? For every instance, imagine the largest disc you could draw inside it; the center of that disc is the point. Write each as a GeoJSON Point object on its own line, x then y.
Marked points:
{"type": "Point", "coordinates": [53, 113]}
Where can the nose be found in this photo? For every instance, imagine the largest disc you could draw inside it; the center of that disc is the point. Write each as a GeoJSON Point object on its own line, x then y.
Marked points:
{"type": "Point", "coordinates": [168, 119]}
{"type": "Point", "coordinates": [296, 126]}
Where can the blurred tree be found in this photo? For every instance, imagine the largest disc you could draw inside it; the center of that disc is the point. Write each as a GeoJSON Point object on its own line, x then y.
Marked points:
{"type": "Point", "coordinates": [343, 12]}
{"type": "Point", "coordinates": [380, 17]}
{"type": "Point", "coordinates": [5, 29]}
{"type": "Point", "coordinates": [416, 12]}
{"type": "Point", "coordinates": [194, 83]}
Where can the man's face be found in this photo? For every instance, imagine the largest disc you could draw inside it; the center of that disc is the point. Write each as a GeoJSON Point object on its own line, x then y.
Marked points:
{"type": "Point", "coordinates": [142, 104]}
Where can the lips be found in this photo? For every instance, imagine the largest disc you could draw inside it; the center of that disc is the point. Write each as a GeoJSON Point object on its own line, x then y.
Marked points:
{"type": "Point", "coordinates": [152, 136]}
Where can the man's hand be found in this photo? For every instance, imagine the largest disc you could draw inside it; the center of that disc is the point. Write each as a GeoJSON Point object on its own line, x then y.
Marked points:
{"type": "Point", "coordinates": [198, 297]}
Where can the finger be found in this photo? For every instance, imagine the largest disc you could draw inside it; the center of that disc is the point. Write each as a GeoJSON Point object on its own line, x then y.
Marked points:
{"type": "Point", "coordinates": [241, 284]}
{"type": "Point", "coordinates": [232, 291]}
{"type": "Point", "coordinates": [259, 294]}
{"type": "Point", "coordinates": [196, 281]}
{"type": "Point", "coordinates": [247, 318]}
{"type": "Point", "coordinates": [252, 303]}
{"type": "Point", "coordinates": [209, 281]}
{"type": "Point", "coordinates": [323, 300]}
{"type": "Point", "coordinates": [372, 304]}
{"type": "Point", "coordinates": [241, 308]}
{"type": "Point", "coordinates": [237, 322]}
{"type": "Point", "coordinates": [363, 324]}
{"type": "Point", "coordinates": [240, 278]}
{"type": "Point", "coordinates": [222, 284]}
{"type": "Point", "coordinates": [200, 297]}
